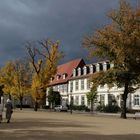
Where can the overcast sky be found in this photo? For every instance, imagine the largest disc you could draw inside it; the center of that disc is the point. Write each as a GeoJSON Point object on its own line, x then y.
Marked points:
{"type": "Point", "coordinates": [65, 20]}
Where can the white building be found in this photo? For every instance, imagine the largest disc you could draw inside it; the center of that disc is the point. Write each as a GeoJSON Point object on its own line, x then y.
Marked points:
{"type": "Point", "coordinates": [61, 80]}
{"type": "Point", "coordinates": [72, 81]}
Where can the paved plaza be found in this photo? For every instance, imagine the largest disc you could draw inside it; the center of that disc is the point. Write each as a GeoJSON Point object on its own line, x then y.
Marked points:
{"type": "Point", "coordinates": [41, 125]}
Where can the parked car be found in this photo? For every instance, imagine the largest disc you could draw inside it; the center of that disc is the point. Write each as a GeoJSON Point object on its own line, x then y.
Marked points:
{"type": "Point", "coordinates": [60, 108]}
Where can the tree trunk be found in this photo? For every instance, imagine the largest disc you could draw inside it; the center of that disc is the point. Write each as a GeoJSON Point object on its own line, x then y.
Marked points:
{"type": "Point", "coordinates": [9, 96]}
{"type": "Point", "coordinates": [91, 106]}
{"type": "Point", "coordinates": [36, 106]}
{"type": "Point", "coordinates": [123, 105]}
{"type": "Point", "coordinates": [21, 102]}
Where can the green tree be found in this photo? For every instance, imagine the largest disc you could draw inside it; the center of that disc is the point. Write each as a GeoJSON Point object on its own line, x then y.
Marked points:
{"type": "Point", "coordinates": [119, 42]}
{"type": "Point", "coordinates": [91, 97]}
{"type": "Point", "coordinates": [54, 98]}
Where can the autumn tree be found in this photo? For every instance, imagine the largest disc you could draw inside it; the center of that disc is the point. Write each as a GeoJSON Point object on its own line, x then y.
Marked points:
{"type": "Point", "coordinates": [1, 91]}
{"type": "Point", "coordinates": [91, 97]}
{"type": "Point", "coordinates": [44, 61]}
{"type": "Point", "coordinates": [21, 80]}
{"type": "Point", "coordinates": [7, 77]}
{"type": "Point", "coordinates": [16, 77]}
{"type": "Point", "coordinates": [119, 42]}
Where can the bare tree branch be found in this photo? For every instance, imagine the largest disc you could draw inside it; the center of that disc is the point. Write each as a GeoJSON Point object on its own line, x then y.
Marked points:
{"type": "Point", "coordinates": [32, 53]}
{"type": "Point", "coordinates": [46, 44]}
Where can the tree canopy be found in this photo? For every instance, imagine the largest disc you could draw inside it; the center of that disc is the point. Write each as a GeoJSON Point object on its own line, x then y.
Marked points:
{"type": "Point", "coordinates": [22, 80]}
{"type": "Point", "coordinates": [15, 76]}
{"type": "Point", "coordinates": [54, 98]}
{"type": "Point", "coordinates": [7, 78]}
{"type": "Point", "coordinates": [91, 97]}
{"type": "Point", "coordinates": [44, 61]}
{"type": "Point", "coordinates": [119, 42]}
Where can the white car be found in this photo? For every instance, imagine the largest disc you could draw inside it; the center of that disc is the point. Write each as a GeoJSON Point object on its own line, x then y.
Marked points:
{"type": "Point", "coordinates": [60, 108]}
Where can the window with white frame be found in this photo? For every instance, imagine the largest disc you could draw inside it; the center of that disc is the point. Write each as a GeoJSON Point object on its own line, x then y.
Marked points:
{"type": "Point", "coordinates": [76, 100]}
{"type": "Point", "coordinates": [71, 86]}
{"type": "Point", "coordinates": [55, 88]}
{"type": "Point", "coordinates": [79, 71]}
{"type": "Point", "coordinates": [85, 70]}
{"type": "Point", "coordinates": [62, 88]}
{"type": "Point", "coordinates": [91, 69]}
{"type": "Point", "coordinates": [58, 88]}
{"type": "Point", "coordinates": [102, 99]}
{"type": "Point", "coordinates": [97, 67]}
{"type": "Point", "coordinates": [83, 100]}
{"type": "Point", "coordinates": [58, 77]}
{"type": "Point", "coordinates": [64, 76]}
{"type": "Point", "coordinates": [82, 84]}
{"type": "Point", "coordinates": [74, 72]}
{"type": "Point", "coordinates": [136, 100]}
{"type": "Point", "coordinates": [101, 86]}
{"type": "Point", "coordinates": [77, 85]}
{"type": "Point", "coordinates": [110, 98]}
{"type": "Point", "coordinates": [65, 88]}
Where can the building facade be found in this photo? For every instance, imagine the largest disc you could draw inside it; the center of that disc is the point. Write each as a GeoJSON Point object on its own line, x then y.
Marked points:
{"type": "Point", "coordinates": [73, 82]}
{"type": "Point", "coordinates": [60, 82]}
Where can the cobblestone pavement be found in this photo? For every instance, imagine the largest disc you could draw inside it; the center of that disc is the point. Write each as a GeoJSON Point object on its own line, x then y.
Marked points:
{"type": "Point", "coordinates": [30, 125]}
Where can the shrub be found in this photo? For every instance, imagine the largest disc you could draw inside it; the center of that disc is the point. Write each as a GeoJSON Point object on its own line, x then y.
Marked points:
{"type": "Point", "coordinates": [100, 108]}
{"type": "Point", "coordinates": [80, 107]}
{"type": "Point", "coordinates": [109, 108]}
{"type": "Point", "coordinates": [45, 107]}
{"type": "Point", "coordinates": [23, 106]}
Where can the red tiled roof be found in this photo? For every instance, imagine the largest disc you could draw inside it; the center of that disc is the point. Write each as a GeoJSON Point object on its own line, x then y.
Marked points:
{"type": "Point", "coordinates": [66, 68]}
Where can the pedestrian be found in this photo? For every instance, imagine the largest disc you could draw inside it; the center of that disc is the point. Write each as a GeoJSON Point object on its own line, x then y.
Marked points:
{"type": "Point", "coordinates": [1, 108]}
{"type": "Point", "coordinates": [9, 110]}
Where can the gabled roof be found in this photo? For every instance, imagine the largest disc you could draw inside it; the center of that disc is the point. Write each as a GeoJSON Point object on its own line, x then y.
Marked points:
{"type": "Point", "coordinates": [67, 69]}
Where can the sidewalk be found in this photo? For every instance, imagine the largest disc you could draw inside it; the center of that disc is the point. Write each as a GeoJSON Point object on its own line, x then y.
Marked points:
{"type": "Point", "coordinates": [95, 113]}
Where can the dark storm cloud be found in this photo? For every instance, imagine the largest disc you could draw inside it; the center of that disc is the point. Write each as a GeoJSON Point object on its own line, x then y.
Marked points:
{"type": "Point", "coordinates": [65, 20]}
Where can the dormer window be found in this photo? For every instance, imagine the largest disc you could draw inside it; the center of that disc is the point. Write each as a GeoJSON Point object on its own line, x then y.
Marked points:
{"type": "Point", "coordinates": [64, 76]}
{"type": "Point", "coordinates": [91, 69]}
{"type": "Point", "coordinates": [58, 77]}
{"type": "Point", "coordinates": [74, 72]}
{"type": "Point", "coordinates": [85, 70]}
{"type": "Point", "coordinates": [97, 67]}
{"type": "Point", "coordinates": [111, 65]}
{"type": "Point", "coordinates": [52, 79]}
{"type": "Point", "coordinates": [105, 66]}
{"type": "Point", "coordinates": [79, 71]}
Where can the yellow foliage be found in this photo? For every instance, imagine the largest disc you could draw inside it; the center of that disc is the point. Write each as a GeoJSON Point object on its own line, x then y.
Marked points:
{"type": "Point", "coordinates": [6, 77]}
{"type": "Point", "coordinates": [14, 77]}
{"type": "Point", "coordinates": [44, 70]}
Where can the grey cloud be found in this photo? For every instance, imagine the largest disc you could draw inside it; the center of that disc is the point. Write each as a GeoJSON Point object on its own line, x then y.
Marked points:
{"type": "Point", "coordinates": [65, 20]}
